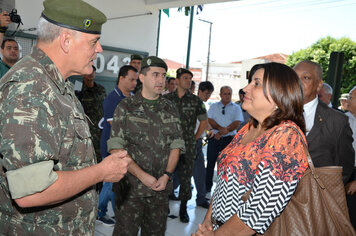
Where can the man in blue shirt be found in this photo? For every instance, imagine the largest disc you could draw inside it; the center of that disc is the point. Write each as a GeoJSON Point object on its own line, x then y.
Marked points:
{"type": "Point", "coordinates": [224, 117]}
{"type": "Point", "coordinates": [127, 80]}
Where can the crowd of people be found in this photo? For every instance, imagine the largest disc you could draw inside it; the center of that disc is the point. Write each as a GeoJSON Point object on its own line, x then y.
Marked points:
{"type": "Point", "coordinates": [65, 155]}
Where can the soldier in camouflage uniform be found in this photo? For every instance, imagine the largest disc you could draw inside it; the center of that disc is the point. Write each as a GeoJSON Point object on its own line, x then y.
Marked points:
{"type": "Point", "coordinates": [147, 126]}
{"type": "Point", "coordinates": [190, 109]}
{"type": "Point", "coordinates": [91, 97]}
{"type": "Point", "coordinates": [136, 61]}
{"type": "Point", "coordinates": [47, 166]}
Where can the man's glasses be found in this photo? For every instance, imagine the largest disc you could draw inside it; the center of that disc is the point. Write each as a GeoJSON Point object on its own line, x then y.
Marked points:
{"type": "Point", "coordinates": [223, 110]}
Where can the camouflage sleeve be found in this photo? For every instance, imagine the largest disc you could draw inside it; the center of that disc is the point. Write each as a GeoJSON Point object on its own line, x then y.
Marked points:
{"type": "Point", "coordinates": [31, 179]}
{"type": "Point", "coordinates": [201, 111]}
{"type": "Point", "coordinates": [178, 142]}
{"type": "Point", "coordinates": [117, 137]}
{"type": "Point", "coordinates": [102, 93]}
{"type": "Point", "coordinates": [30, 134]}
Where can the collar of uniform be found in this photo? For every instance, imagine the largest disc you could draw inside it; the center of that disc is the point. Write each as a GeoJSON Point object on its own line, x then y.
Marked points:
{"type": "Point", "coordinates": [50, 68]}
{"type": "Point", "coordinates": [187, 94]}
{"type": "Point", "coordinates": [87, 88]}
{"type": "Point", "coordinates": [138, 99]}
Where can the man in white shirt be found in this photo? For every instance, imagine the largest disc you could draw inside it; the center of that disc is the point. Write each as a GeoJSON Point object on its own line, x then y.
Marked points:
{"type": "Point", "coordinates": [325, 94]}
{"type": "Point", "coordinates": [224, 117]}
{"type": "Point", "coordinates": [329, 135]}
{"type": "Point", "coordinates": [351, 186]}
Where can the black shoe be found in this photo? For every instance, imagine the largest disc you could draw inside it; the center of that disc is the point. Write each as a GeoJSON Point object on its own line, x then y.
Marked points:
{"type": "Point", "coordinates": [173, 197]}
{"type": "Point", "coordinates": [204, 204]}
{"type": "Point", "coordinates": [183, 215]}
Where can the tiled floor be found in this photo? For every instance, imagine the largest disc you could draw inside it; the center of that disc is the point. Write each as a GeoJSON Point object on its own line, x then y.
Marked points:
{"type": "Point", "coordinates": [174, 226]}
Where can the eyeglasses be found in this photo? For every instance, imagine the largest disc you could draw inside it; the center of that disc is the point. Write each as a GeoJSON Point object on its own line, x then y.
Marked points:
{"type": "Point", "coordinates": [223, 110]}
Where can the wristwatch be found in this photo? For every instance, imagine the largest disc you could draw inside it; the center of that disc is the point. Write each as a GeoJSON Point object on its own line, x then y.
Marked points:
{"type": "Point", "coordinates": [169, 174]}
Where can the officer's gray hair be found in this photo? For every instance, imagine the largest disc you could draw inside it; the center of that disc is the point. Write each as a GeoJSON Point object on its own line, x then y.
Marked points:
{"type": "Point", "coordinates": [352, 89]}
{"type": "Point", "coordinates": [225, 87]}
{"type": "Point", "coordinates": [47, 32]}
{"type": "Point", "coordinates": [327, 88]}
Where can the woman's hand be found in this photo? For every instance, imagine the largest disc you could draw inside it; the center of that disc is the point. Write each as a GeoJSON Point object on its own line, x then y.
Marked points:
{"type": "Point", "coordinates": [350, 188]}
{"type": "Point", "coordinates": [206, 228]}
{"type": "Point", "coordinates": [203, 231]}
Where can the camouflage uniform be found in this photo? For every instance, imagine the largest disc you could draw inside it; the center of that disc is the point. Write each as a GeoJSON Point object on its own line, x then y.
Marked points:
{"type": "Point", "coordinates": [43, 129]}
{"type": "Point", "coordinates": [92, 101]}
{"type": "Point", "coordinates": [190, 109]}
{"type": "Point", "coordinates": [148, 131]}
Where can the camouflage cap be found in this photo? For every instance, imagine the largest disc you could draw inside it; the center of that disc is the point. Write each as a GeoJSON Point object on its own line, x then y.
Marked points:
{"type": "Point", "coordinates": [136, 57]}
{"type": "Point", "coordinates": [74, 14]}
{"type": "Point", "coordinates": [182, 71]}
{"type": "Point", "coordinates": [153, 61]}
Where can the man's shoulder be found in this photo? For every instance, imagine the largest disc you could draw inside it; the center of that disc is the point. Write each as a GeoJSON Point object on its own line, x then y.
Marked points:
{"type": "Point", "coordinates": [330, 113]}
{"type": "Point", "coordinates": [170, 96]}
{"type": "Point", "coordinates": [214, 105]}
{"type": "Point", "coordinates": [100, 87]}
{"type": "Point", "coordinates": [3, 67]}
{"type": "Point", "coordinates": [195, 97]}
{"type": "Point", "coordinates": [25, 69]}
{"type": "Point", "coordinates": [113, 97]}
{"type": "Point", "coordinates": [167, 103]}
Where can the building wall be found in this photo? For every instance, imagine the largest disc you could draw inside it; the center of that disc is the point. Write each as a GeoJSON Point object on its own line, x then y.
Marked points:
{"type": "Point", "coordinates": [224, 75]}
{"type": "Point", "coordinates": [134, 33]}
{"type": "Point", "coordinates": [128, 30]}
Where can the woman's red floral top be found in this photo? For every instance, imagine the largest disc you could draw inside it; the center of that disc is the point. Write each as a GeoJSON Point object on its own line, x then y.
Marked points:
{"type": "Point", "coordinates": [272, 165]}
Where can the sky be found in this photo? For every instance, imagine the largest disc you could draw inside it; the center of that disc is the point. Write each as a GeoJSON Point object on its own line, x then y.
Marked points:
{"type": "Point", "coordinates": [252, 28]}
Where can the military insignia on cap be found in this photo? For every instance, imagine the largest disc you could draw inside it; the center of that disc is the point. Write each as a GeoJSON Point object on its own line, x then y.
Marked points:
{"type": "Point", "coordinates": [87, 23]}
{"type": "Point", "coordinates": [149, 62]}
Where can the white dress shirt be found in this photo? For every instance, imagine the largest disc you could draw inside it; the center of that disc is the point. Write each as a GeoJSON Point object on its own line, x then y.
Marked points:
{"type": "Point", "coordinates": [309, 114]}
{"type": "Point", "coordinates": [352, 121]}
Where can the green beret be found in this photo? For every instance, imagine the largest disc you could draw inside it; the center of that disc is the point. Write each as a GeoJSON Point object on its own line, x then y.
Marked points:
{"type": "Point", "coordinates": [74, 14]}
{"type": "Point", "coordinates": [182, 71]}
{"type": "Point", "coordinates": [136, 57]}
{"type": "Point", "coordinates": [153, 61]}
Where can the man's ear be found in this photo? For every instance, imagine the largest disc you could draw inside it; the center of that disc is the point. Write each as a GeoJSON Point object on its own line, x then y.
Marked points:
{"type": "Point", "coordinates": [64, 40]}
{"type": "Point", "coordinates": [141, 77]}
{"type": "Point", "coordinates": [320, 85]}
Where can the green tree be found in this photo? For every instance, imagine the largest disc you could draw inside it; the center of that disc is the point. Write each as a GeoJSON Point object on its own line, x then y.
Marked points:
{"type": "Point", "coordinates": [320, 52]}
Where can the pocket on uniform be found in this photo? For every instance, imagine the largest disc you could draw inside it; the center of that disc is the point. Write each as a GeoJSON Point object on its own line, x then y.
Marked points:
{"type": "Point", "coordinates": [81, 126]}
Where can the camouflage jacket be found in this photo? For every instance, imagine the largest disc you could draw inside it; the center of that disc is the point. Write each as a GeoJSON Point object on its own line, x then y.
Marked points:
{"type": "Point", "coordinates": [148, 132]}
{"type": "Point", "coordinates": [191, 108]}
{"type": "Point", "coordinates": [92, 101]}
{"type": "Point", "coordinates": [42, 123]}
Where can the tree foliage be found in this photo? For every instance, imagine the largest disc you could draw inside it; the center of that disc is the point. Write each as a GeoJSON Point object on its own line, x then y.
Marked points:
{"type": "Point", "coordinates": [320, 52]}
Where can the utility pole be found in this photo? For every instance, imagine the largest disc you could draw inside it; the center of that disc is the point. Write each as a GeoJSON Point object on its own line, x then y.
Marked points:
{"type": "Point", "coordinates": [190, 35]}
{"type": "Point", "coordinates": [208, 59]}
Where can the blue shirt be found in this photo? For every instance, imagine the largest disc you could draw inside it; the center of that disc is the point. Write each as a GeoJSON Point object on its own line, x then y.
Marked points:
{"type": "Point", "coordinates": [232, 112]}
{"type": "Point", "coordinates": [109, 106]}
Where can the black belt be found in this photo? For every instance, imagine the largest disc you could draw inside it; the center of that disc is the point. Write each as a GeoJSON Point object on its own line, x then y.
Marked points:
{"type": "Point", "coordinates": [216, 222]}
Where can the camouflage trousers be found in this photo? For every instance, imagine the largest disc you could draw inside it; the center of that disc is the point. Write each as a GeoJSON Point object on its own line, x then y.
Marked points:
{"type": "Point", "coordinates": [185, 173]}
{"type": "Point", "coordinates": [148, 213]}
